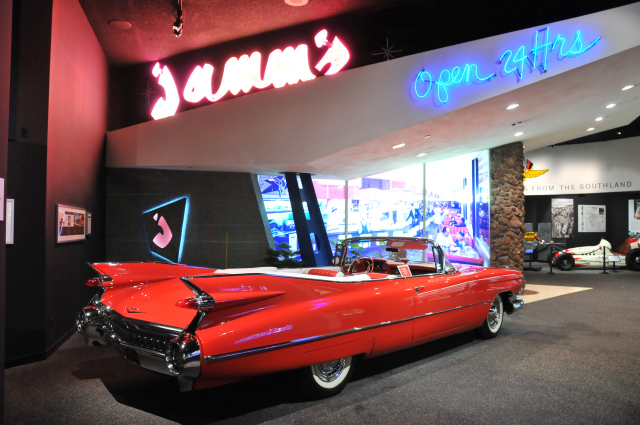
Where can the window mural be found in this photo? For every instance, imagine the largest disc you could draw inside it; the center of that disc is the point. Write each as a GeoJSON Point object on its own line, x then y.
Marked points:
{"type": "Point", "coordinates": [452, 208]}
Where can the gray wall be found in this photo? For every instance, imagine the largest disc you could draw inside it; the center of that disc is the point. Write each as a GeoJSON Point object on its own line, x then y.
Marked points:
{"type": "Point", "coordinates": [224, 227]}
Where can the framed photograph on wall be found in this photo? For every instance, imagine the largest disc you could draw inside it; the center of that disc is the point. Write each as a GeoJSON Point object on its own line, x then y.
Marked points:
{"type": "Point", "coordinates": [71, 223]}
{"type": "Point", "coordinates": [634, 215]}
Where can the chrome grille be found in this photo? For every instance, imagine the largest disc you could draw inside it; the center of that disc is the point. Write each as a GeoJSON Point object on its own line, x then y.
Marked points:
{"type": "Point", "coordinates": [139, 334]}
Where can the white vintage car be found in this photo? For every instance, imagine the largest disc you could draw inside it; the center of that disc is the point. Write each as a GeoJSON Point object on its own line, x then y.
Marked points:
{"type": "Point", "coordinates": [594, 256]}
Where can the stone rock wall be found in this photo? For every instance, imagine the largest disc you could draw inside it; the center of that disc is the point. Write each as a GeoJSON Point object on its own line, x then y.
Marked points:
{"type": "Point", "coordinates": [507, 206]}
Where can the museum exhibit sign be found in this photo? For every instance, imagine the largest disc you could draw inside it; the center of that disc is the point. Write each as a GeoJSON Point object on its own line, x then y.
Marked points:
{"type": "Point", "coordinates": [592, 168]}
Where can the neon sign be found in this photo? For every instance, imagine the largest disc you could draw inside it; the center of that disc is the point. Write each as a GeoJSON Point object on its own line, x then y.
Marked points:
{"type": "Point", "coordinates": [288, 66]}
{"type": "Point", "coordinates": [534, 59]}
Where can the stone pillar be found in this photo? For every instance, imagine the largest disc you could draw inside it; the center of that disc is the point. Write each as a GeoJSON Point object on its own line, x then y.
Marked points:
{"type": "Point", "coordinates": [507, 206]}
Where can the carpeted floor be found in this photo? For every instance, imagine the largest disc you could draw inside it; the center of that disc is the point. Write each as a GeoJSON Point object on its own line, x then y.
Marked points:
{"type": "Point", "coordinates": [568, 358]}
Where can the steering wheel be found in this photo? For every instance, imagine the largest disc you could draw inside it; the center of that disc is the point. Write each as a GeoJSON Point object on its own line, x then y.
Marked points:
{"type": "Point", "coordinates": [355, 263]}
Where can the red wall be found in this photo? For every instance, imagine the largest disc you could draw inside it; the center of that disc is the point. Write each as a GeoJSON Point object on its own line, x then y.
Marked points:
{"type": "Point", "coordinates": [75, 158]}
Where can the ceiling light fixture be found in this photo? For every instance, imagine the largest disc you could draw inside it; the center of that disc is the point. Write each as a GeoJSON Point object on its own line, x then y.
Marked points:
{"type": "Point", "coordinates": [177, 25]}
{"type": "Point", "coordinates": [516, 123]}
{"type": "Point", "coordinates": [630, 86]}
{"type": "Point", "coordinates": [519, 133]}
{"type": "Point", "coordinates": [611, 105]}
{"type": "Point", "coordinates": [513, 106]}
{"type": "Point", "coordinates": [398, 146]}
{"type": "Point", "coordinates": [427, 136]}
{"type": "Point", "coordinates": [421, 154]}
{"type": "Point", "coordinates": [599, 119]}
{"type": "Point", "coordinates": [591, 128]}
{"type": "Point", "coordinates": [296, 2]}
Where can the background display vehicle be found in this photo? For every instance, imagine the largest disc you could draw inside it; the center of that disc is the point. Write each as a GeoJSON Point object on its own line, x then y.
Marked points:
{"type": "Point", "coordinates": [594, 256]}
{"type": "Point", "coordinates": [212, 327]}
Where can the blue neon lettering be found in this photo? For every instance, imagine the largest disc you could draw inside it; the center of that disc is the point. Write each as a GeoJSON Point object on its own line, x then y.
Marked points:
{"type": "Point", "coordinates": [537, 56]}
{"type": "Point", "coordinates": [456, 77]}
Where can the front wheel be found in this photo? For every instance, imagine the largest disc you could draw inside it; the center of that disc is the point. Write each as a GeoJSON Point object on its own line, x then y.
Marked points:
{"type": "Point", "coordinates": [565, 262]}
{"type": "Point", "coordinates": [633, 260]}
{"type": "Point", "coordinates": [492, 324]}
{"type": "Point", "coordinates": [327, 379]}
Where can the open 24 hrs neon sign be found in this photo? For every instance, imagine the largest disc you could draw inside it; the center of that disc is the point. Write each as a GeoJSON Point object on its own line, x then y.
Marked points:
{"type": "Point", "coordinates": [288, 66]}
{"type": "Point", "coordinates": [516, 62]}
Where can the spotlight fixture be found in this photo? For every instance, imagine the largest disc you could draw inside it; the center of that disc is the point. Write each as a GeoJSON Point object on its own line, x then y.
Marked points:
{"type": "Point", "coordinates": [630, 86]}
{"type": "Point", "coordinates": [619, 133]}
{"type": "Point", "coordinates": [177, 25]}
{"type": "Point", "coordinates": [591, 128]}
{"type": "Point", "coordinates": [398, 146]}
{"type": "Point", "coordinates": [421, 154]}
{"type": "Point", "coordinates": [427, 136]}
{"type": "Point", "coordinates": [513, 106]}
{"type": "Point", "coordinates": [599, 119]}
{"type": "Point", "coordinates": [119, 25]}
{"type": "Point", "coordinates": [611, 105]}
{"type": "Point", "coordinates": [519, 133]}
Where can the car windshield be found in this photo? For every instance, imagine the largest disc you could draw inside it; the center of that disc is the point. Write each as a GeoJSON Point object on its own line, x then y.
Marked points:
{"type": "Point", "coordinates": [406, 250]}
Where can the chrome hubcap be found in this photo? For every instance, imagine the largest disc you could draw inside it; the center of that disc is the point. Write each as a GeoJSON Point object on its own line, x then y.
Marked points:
{"type": "Point", "coordinates": [493, 319]}
{"type": "Point", "coordinates": [330, 371]}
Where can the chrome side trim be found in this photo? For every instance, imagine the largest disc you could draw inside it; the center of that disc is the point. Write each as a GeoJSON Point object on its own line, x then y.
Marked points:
{"type": "Point", "coordinates": [295, 342]}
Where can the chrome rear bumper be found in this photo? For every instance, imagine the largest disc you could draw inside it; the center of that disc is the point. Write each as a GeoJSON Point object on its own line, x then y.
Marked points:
{"type": "Point", "coordinates": [149, 345]}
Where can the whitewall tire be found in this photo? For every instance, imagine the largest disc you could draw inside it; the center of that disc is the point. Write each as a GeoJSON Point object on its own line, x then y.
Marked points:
{"type": "Point", "coordinates": [327, 379]}
{"type": "Point", "coordinates": [493, 322]}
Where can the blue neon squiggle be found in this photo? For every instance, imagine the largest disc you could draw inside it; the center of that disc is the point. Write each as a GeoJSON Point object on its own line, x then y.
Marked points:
{"type": "Point", "coordinates": [544, 46]}
{"type": "Point", "coordinates": [577, 43]}
{"type": "Point", "coordinates": [457, 77]}
{"type": "Point", "coordinates": [421, 77]}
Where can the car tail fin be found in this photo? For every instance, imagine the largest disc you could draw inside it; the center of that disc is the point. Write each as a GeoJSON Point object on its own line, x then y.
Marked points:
{"type": "Point", "coordinates": [204, 301]}
{"type": "Point", "coordinates": [112, 275]}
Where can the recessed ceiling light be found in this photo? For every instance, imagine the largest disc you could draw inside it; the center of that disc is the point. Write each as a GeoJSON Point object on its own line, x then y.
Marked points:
{"type": "Point", "coordinates": [427, 136]}
{"type": "Point", "coordinates": [519, 133]}
{"type": "Point", "coordinates": [599, 119]}
{"type": "Point", "coordinates": [619, 132]}
{"type": "Point", "coordinates": [630, 86]}
{"type": "Point", "coordinates": [591, 128]}
{"type": "Point", "coordinates": [119, 25]}
{"type": "Point", "coordinates": [513, 106]}
{"type": "Point", "coordinates": [398, 146]}
{"type": "Point", "coordinates": [421, 154]}
{"type": "Point", "coordinates": [296, 2]}
{"type": "Point", "coordinates": [611, 105]}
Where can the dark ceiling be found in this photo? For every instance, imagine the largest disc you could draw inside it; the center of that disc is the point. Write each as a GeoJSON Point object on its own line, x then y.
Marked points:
{"type": "Point", "coordinates": [206, 22]}
{"type": "Point", "coordinates": [419, 25]}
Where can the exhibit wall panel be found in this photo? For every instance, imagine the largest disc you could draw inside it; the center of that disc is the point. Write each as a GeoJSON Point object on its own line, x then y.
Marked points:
{"type": "Point", "coordinates": [26, 181]}
{"type": "Point", "coordinates": [223, 227]}
{"type": "Point", "coordinates": [538, 210]}
{"type": "Point", "coordinates": [601, 167]}
{"type": "Point", "coordinates": [76, 174]}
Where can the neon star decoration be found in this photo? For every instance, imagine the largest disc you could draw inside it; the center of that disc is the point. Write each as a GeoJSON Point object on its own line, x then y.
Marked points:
{"type": "Point", "coordinates": [517, 62]}
{"type": "Point", "coordinates": [288, 66]}
{"type": "Point", "coordinates": [387, 51]}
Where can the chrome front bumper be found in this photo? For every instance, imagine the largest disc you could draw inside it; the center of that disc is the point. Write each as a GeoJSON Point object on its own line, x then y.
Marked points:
{"type": "Point", "coordinates": [152, 346]}
{"type": "Point", "coordinates": [514, 304]}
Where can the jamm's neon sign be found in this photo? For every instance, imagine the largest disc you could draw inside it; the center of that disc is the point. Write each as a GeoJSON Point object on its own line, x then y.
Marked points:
{"type": "Point", "coordinates": [288, 66]}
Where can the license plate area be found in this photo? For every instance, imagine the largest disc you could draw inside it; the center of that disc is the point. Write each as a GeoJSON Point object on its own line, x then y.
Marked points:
{"type": "Point", "coordinates": [131, 355]}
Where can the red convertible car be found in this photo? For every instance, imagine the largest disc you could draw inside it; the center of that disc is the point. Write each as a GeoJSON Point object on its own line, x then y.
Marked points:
{"type": "Point", "coordinates": [212, 327]}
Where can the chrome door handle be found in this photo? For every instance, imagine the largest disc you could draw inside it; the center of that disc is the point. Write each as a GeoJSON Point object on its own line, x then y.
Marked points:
{"type": "Point", "coordinates": [418, 289]}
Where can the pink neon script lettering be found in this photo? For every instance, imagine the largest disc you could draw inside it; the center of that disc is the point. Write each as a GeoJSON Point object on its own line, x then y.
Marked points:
{"type": "Point", "coordinates": [288, 66]}
{"type": "Point", "coordinates": [165, 107]}
{"type": "Point", "coordinates": [163, 238]}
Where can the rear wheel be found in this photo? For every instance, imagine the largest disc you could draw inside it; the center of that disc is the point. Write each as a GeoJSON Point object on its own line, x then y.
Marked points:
{"type": "Point", "coordinates": [493, 323]}
{"type": "Point", "coordinates": [565, 262]}
{"type": "Point", "coordinates": [327, 379]}
{"type": "Point", "coordinates": [633, 260]}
